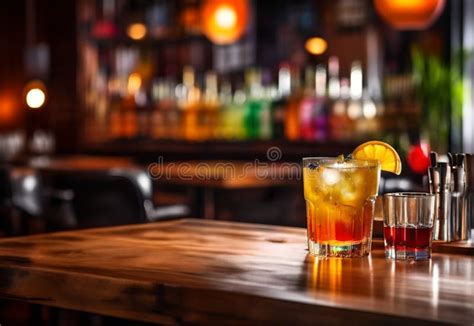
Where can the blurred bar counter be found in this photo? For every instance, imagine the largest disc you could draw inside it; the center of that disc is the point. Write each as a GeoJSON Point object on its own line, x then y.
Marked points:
{"type": "Point", "coordinates": [150, 150]}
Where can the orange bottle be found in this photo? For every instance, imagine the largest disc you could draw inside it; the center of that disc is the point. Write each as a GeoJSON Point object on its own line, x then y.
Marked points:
{"type": "Point", "coordinates": [292, 112]}
{"type": "Point", "coordinates": [189, 105]}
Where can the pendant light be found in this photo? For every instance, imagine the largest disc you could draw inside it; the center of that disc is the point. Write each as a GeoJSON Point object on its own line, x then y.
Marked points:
{"type": "Point", "coordinates": [224, 21]}
{"type": "Point", "coordinates": [409, 14]}
{"type": "Point", "coordinates": [36, 63]}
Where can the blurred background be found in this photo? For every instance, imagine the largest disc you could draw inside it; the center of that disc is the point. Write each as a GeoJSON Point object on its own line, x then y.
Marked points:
{"type": "Point", "coordinates": [96, 86]}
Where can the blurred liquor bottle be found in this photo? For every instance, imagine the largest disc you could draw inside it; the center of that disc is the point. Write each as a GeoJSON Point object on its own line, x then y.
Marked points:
{"type": "Point", "coordinates": [338, 94]}
{"type": "Point", "coordinates": [354, 108]}
{"type": "Point", "coordinates": [321, 105]}
{"type": "Point", "coordinates": [254, 104]}
{"type": "Point", "coordinates": [362, 108]}
{"type": "Point", "coordinates": [235, 116]}
{"type": "Point", "coordinates": [292, 114]}
{"type": "Point", "coordinates": [188, 103]}
{"type": "Point", "coordinates": [129, 105]}
{"type": "Point", "coordinates": [224, 119]}
{"type": "Point", "coordinates": [143, 108]}
{"type": "Point", "coordinates": [266, 121]}
{"type": "Point", "coordinates": [115, 116]}
{"type": "Point", "coordinates": [314, 115]}
{"type": "Point", "coordinates": [279, 105]}
{"type": "Point", "coordinates": [164, 109]}
{"type": "Point", "coordinates": [308, 106]}
{"type": "Point", "coordinates": [210, 107]}
{"type": "Point", "coordinates": [345, 122]}
{"type": "Point", "coordinates": [369, 125]}
{"type": "Point", "coordinates": [157, 117]}
{"type": "Point", "coordinates": [109, 102]}
{"type": "Point", "coordinates": [173, 114]}
{"type": "Point", "coordinates": [130, 124]}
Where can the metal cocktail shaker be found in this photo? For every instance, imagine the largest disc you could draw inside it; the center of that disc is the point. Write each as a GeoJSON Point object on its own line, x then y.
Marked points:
{"type": "Point", "coordinates": [439, 176]}
{"type": "Point", "coordinates": [458, 197]}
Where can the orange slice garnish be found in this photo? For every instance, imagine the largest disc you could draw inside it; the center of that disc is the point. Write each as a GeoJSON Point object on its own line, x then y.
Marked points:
{"type": "Point", "coordinates": [383, 152]}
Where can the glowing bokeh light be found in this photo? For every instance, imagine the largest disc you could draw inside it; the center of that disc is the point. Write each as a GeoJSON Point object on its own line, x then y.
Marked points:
{"type": "Point", "coordinates": [34, 94]}
{"type": "Point", "coordinates": [136, 31]}
{"type": "Point", "coordinates": [409, 14]}
{"type": "Point", "coordinates": [134, 83]}
{"type": "Point", "coordinates": [9, 113]}
{"type": "Point", "coordinates": [354, 110]}
{"type": "Point", "coordinates": [316, 45]}
{"type": "Point", "coordinates": [224, 21]}
{"type": "Point", "coordinates": [369, 109]}
{"type": "Point", "coordinates": [225, 17]}
{"type": "Point", "coordinates": [35, 98]}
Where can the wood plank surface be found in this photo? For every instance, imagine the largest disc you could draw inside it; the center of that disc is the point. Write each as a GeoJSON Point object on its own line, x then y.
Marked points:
{"type": "Point", "coordinates": [210, 272]}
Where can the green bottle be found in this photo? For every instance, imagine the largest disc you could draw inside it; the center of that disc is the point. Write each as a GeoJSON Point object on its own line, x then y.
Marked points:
{"type": "Point", "coordinates": [254, 104]}
{"type": "Point", "coordinates": [266, 112]}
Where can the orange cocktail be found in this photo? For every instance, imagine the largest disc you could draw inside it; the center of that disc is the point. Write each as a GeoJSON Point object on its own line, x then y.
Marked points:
{"type": "Point", "coordinates": [340, 197]}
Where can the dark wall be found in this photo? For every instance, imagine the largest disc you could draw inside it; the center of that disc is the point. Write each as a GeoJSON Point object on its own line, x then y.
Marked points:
{"type": "Point", "coordinates": [58, 27]}
{"type": "Point", "coordinates": [55, 25]}
{"type": "Point", "coordinates": [12, 40]}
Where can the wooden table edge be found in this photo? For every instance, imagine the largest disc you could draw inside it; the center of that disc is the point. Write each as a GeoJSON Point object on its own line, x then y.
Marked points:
{"type": "Point", "coordinates": [173, 303]}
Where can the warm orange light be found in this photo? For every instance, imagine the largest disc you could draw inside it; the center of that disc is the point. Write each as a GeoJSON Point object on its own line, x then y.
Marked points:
{"type": "Point", "coordinates": [224, 21]}
{"type": "Point", "coordinates": [136, 31]}
{"type": "Point", "coordinates": [316, 45]}
{"type": "Point", "coordinates": [409, 14]}
{"type": "Point", "coordinates": [35, 94]}
{"type": "Point", "coordinates": [191, 19]}
{"type": "Point", "coordinates": [9, 113]}
{"type": "Point", "coordinates": [134, 83]}
{"type": "Point", "coordinates": [225, 17]}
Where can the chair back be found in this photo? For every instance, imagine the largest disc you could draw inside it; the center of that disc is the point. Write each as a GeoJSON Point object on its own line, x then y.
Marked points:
{"type": "Point", "coordinates": [5, 185]}
{"type": "Point", "coordinates": [101, 198]}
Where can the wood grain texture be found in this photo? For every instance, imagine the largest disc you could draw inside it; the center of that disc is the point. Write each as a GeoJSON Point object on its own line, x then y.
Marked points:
{"type": "Point", "coordinates": [210, 272]}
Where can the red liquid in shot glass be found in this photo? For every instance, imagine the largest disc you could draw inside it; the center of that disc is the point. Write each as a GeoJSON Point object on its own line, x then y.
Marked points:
{"type": "Point", "coordinates": [407, 238]}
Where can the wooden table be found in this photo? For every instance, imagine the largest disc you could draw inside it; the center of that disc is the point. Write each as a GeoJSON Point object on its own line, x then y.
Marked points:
{"type": "Point", "coordinates": [198, 271]}
{"type": "Point", "coordinates": [207, 176]}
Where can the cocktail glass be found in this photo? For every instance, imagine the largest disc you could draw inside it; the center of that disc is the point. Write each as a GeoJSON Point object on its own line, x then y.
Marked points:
{"type": "Point", "coordinates": [340, 200]}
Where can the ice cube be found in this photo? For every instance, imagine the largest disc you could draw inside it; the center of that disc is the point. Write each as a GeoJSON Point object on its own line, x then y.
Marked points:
{"type": "Point", "coordinates": [348, 196]}
{"type": "Point", "coordinates": [349, 193]}
{"type": "Point", "coordinates": [331, 176]}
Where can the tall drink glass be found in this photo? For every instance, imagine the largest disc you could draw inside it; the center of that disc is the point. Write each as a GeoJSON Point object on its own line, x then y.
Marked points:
{"type": "Point", "coordinates": [340, 199]}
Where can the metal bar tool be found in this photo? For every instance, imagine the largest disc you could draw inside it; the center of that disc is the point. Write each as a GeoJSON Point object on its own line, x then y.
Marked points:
{"type": "Point", "coordinates": [439, 177]}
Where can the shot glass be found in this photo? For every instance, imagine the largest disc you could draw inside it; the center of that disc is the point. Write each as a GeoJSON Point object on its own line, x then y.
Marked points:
{"type": "Point", "coordinates": [408, 225]}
